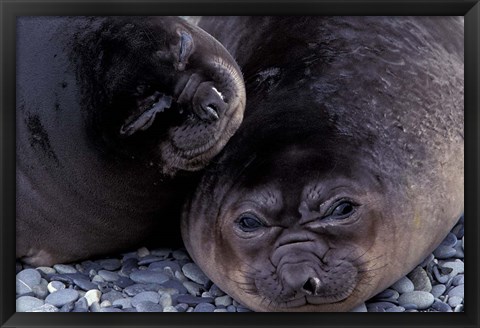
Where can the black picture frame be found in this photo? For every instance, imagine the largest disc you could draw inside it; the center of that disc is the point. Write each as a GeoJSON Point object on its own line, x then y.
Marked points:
{"type": "Point", "coordinates": [9, 10]}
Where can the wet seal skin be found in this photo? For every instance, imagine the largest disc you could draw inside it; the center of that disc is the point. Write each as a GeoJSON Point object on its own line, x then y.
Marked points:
{"type": "Point", "coordinates": [348, 167]}
{"type": "Point", "coordinates": [114, 116]}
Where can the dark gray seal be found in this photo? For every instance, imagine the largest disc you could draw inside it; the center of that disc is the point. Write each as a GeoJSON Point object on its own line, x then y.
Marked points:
{"type": "Point", "coordinates": [348, 167]}
{"type": "Point", "coordinates": [112, 115]}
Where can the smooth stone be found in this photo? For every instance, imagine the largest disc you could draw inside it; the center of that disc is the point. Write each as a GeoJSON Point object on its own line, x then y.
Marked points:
{"type": "Point", "coordinates": [177, 285]}
{"type": "Point", "coordinates": [84, 284]}
{"type": "Point", "coordinates": [111, 296]}
{"type": "Point", "coordinates": [193, 300]}
{"type": "Point", "coordinates": [427, 260]}
{"type": "Point", "coordinates": [95, 307]}
{"type": "Point", "coordinates": [449, 241]}
{"type": "Point", "coordinates": [170, 309]}
{"type": "Point", "coordinates": [90, 265]}
{"type": "Point", "coordinates": [463, 242]}
{"type": "Point", "coordinates": [396, 309]}
{"type": "Point", "coordinates": [457, 291]}
{"type": "Point", "coordinates": [231, 308]}
{"type": "Point", "coordinates": [171, 291]}
{"type": "Point", "coordinates": [108, 275]}
{"type": "Point", "coordinates": [153, 297]}
{"type": "Point", "coordinates": [46, 270]}
{"type": "Point", "coordinates": [139, 288]}
{"type": "Point", "coordinates": [454, 301]}
{"type": "Point", "coordinates": [146, 276]}
{"type": "Point", "coordinates": [243, 309]}
{"type": "Point", "coordinates": [26, 279]}
{"type": "Point", "coordinates": [67, 307]}
{"type": "Point", "coordinates": [440, 277]}
{"type": "Point", "coordinates": [124, 303]}
{"type": "Point", "coordinates": [410, 306]}
{"type": "Point", "coordinates": [180, 276]}
{"type": "Point", "coordinates": [459, 253]}
{"type": "Point", "coordinates": [27, 303]}
{"type": "Point", "coordinates": [81, 305]}
{"type": "Point", "coordinates": [40, 291]}
{"type": "Point", "coordinates": [420, 280]}
{"type": "Point", "coordinates": [180, 255]}
{"type": "Point", "coordinates": [193, 272]}
{"type": "Point", "coordinates": [147, 306]}
{"type": "Point", "coordinates": [360, 308]}
{"type": "Point", "coordinates": [62, 297]}
{"type": "Point", "coordinates": [67, 278]}
{"type": "Point", "coordinates": [215, 291]}
{"type": "Point", "coordinates": [458, 308]}
{"type": "Point", "coordinates": [458, 231]}
{"type": "Point", "coordinates": [18, 267]}
{"type": "Point", "coordinates": [161, 252]}
{"type": "Point", "coordinates": [378, 306]}
{"type": "Point", "coordinates": [456, 266]}
{"type": "Point", "coordinates": [223, 300]}
{"type": "Point", "coordinates": [149, 259]}
{"type": "Point", "coordinates": [193, 288]}
{"type": "Point", "coordinates": [444, 252]}
{"type": "Point", "coordinates": [204, 307]}
{"type": "Point", "coordinates": [403, 285]}
{"type": "Point", "coordinates": [64, 268]}
{"type": "Point", "coordinates": [93, 296]}
{"type": "Point", "coordinates": [181, 307]}
{"type": "Point", "coordinates": [97, 279]}
{"type": "Point", "coordinates": [46, 308]}
{"type": "Point", "coordinates": [123, 282]}
{"type": "Point", "coordinates": [441, 306]}
{"type": "Point", "coordinates": [387, 293]}
{"type": "Point", "coordinates": [458, 280]}
{"type": "Point", "coordinates": [422, 299]}
{"type": "Point", "coordinates": [131, 309]}
{"type": "Point", "coordinates": [105, 304]}
{"type": "Point", "coordinates": [206, 294]}
{"type": "Point", "coordinates": [142, 252]}
{"type": "Point", "coordinates": [160, 266]}
{"type": "Point", "coordinates": [128, 266]}
{"type": "Point", "coordinates": [438, 290]}
{"type": "Point", "coordinates": [109, 309]}
{"type": "Point", "coordinates": [165, 300]}
{"type": "Point", "coordinates": [220, 310]}
{"type": "Point", "coordinates": [54, 286]}
{"type": "Point", "coordinates": [110, 264]}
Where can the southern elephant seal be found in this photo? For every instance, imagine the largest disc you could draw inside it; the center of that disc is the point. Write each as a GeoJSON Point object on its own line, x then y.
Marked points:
{"type": "Point", "coordinates": [348, 167]}
{"type": "Point", "coordinates": [113, 116]}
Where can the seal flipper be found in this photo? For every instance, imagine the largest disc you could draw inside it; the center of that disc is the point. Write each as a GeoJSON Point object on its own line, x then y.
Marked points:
{"type": "Point", "coordinates": [143, 121]}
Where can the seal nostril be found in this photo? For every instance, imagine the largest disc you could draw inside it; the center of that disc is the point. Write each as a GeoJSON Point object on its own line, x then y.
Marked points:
{"type": "Point", "coordinates": [311, 286]}
{"type": "Point", "coordinates": [212, 112]}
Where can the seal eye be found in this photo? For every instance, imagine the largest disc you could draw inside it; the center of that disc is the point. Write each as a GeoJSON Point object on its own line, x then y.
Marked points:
{"type": "Point", "coordinates": [249, 223]}
{"type": "Point", "coordinates": [342, 210]}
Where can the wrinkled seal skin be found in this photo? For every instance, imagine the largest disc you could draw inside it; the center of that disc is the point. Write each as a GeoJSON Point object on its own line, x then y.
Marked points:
{"type": "Point", "coordinates": [348, 167]}
{"type": "Point", "coordinates": [113, 117]}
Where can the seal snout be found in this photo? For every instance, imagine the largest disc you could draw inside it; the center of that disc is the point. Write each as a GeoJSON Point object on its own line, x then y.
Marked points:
{"type": "Point", "coordinates": [312, 286]}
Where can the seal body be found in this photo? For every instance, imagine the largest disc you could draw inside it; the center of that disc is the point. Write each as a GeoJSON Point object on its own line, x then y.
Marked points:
{"type": "Point", "coordinates": [113, 116]}
{"type": "Point", "coordinates": [347, 170]}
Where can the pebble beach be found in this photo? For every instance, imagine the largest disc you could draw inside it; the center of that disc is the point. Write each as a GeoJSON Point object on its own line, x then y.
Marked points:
{"type": "Point", "coordinates": [166, 280]}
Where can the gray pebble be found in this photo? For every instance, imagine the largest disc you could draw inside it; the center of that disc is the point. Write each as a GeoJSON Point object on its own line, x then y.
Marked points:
{"type": "Point", "coordinates": [170, 309]}
{"type": "Point", "coordinates": [40, 291]}
{"type": "Point", "coordinates": [458, 308]}
{"type": "Point", "coordinates": [192, 271]}
{"type": "Point", "coordinates": [97, 279]}
{"type": "Point", "coordinates": [123, 282]}
{"type": "Point", "coordinates": [215, 291]}
{"type": "Point", "coordinates": [54, 286]}
{"type": "Point", "coordinates": [46, 270]}
{"type": "Point", "coordinates": [62, 297]}
{"type": "Point", "coordinates": [95, 307]}
{"type": "Point", "coordinates": [84, 284]}
{"type": "Point", "coordinates": [110, 264]}
{"type": "Point", "coordinates": [27, 303]}
{"type": "Point", "coordinates": [110, 309]}
{"type": "Point", "coordinates": [105, 304]}
{"type": "Point", "coordinates": [422, 299]}
{"type": "Point", "coordinates": [396, 309]}
{"type": "Point", "coordinates": [160, 266]}
{"type": "Point", "coordinates": [180, 276]}
{"type": "Point", "coordinates": [149, 259]}
{"type": "Point", "coordinates": [231, 308]}
{"type": "Point", "coordinates": [64, 268]}
{"type": "Point", "coordinates": [67, 307]}
{"type": "Point", "coordinates": [161, 252]}
{"type": "Point", "coordinates": [139, 288]}
{"type": "Point", "coordinates": [220, 310]}
{"type": "Point", "coordinates": [146, 276]}
{"type": "Point", "coordinates": [180, 255]}
{"type": "Point", "coordinates": [223, 300]}
{"type": "Point", "coordinates": [26, 279]}
{"type": "Point", "coordinates": [67, 278]}
{"type": "Point", "coordinates": [360, 308]}
{"type": "Point", "coordinates": [153, 297]}
{"type": "Point", "coordinates": [444, 252]}
{"type": "Point", "coordinates": [427, 260]}
{"type": "Point", "coordinates": [454, 301]}
{"type": "Point", "coordinates": [410, 306]}
{"type": "Point", "coordinates": [441, 306]}
{"type": "Point", "coordinates": [403, 285]}
{"type": "Point", "coordinates": [165, 300]}
{"type": "Point", "coordinates": [204, 307]}
{"type": "Point", "coordinates": [181, 307]}
{"type": "Point", "coordinates": [457, 267]}
{"type": "Point", "coordinates": [193, 300]}
{"type": "Point", "coordinates": [387, 293]}
{"type": "Point", "coordinates": [193, 288]}
{"type": "Point", "coordinates": [147, 306]}
{"type": "Point", "coordinates": [123, 303]}
{"type": "Point", "coordinates": [45, 308]}
{"type": "Point", "coordinates": [457, 291]}
{"type": "Point", "coordinates": [81, 305]}
{"type": "Point", "coordinates": [420, 280]}
{"type": "Point", "coordinates": [438, 290]}
{"type": "Point", "coordinates": [449, 241]}
{"type": "Point", "coordinates": [243, 309]}
{"type": "Point", "coordinates": [108, 275]}
{"type": "Point", "coordinates": [440, 277]}
{"type": "Point", "coordinates": [458, 231]}
{"type": "Point", "coordinates": [142, 252]}
{"type": "Point", "coordinates": [128, 266]}
{"type": "Point", "coordinates": [175, 285]}
{"type": "Point", "coordinates": [459, 250]}
{"type": "Point", "coordinates": [112, 296]}
{"type": "Point", "coordinates": [458, 280]}
{"type": "Point", "coordinates": [90, 265]}
{"type": "Point", "coordinates": [379, 306]}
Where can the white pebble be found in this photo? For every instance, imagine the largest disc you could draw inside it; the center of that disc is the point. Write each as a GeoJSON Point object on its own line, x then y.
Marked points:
{"type": "Point", "coordinates": [92, 296]}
